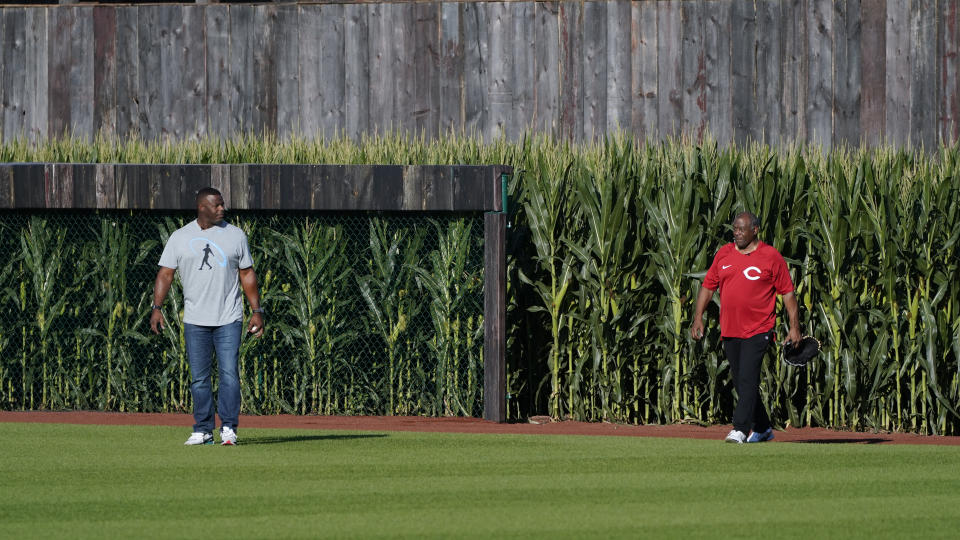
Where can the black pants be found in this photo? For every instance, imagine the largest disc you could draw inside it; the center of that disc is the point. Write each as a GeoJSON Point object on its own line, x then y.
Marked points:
{"type": "Point", "coordinates": [746, 359]}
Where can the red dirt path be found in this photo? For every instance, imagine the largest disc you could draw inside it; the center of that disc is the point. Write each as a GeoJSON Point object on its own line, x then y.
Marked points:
{"type": "Point", "coordinates": [471, 425]}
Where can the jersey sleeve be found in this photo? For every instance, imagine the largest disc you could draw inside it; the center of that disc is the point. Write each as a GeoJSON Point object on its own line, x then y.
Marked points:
{"type": "Point", "coordinates": [246, 260]}
{"type": "Point", "coordinates": [781, 276]}
{"type": "Point", "coordinates": [712, 280]}
{"type": "Point", "coordinates": [169, 259]}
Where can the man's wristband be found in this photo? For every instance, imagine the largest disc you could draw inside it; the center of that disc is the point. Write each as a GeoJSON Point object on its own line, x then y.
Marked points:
{"type": "Point", "coordinates": [155, 306]}
{"type": "Point", "coordinates": [259, 310]}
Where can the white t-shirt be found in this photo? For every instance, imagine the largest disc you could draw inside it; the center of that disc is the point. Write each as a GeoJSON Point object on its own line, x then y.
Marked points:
{"type": "Point", "coordinates": [207, 261]}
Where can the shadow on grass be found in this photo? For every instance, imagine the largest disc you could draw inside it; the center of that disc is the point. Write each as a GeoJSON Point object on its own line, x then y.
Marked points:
{"type": "Point", "coordinates": [849, 440]}
{"type": "Point", "coordinates": [280, 439]}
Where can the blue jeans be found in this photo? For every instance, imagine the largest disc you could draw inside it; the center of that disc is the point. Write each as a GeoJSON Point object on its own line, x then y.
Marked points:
{"type": "Point", "coordinates": [201, 341]}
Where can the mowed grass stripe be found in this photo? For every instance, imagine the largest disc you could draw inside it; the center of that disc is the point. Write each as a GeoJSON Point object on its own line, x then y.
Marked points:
{"type": "Point", "coordinates": [96, 481]}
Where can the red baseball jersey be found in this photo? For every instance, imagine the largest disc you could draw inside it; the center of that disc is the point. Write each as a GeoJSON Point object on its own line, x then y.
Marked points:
{"type": "Point", "coordinates": [748, 285]}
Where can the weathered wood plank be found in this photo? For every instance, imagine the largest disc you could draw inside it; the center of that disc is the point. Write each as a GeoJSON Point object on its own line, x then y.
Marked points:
{"type": "Point", "coordinates": [523, 47]}
{"type": "Point", "coordinates": [221, 96]}
{"type": "Point", "coordinates": [571, 71]}
{"type": "Point", "coordinates": [476, 66]}
{"type": "Point", "coordinates": [13, 86]}
{"type": "Point", "coordinates": [669, 68]}
{"type": "Point", "coordinates": [105, 70]}
{"type": "Point", "coordinates": [873, 76]}
{"type": "Point", "coordinates": [238, 177]}
{"type": "Point", "coordinates": [795, 69]}
{"type": "Point", "coordinates": [150, 45]}
{"type": "Point", "coordinates": [716, 40]}
{"type": "Point", "coordinates": [295, 181]}
{"type": "Point", "coordinates": [271, 186]}
{"type": "Point", "coordinates": [193, 179]}
{"type": "Point", "coordinates": [264, 85]}
{"type": "Point", "coordinates": [403, 58]}
{"type": "Point", "coordinates": [500, 90]}
{"type": "Point", "coordinates": [81, 73]}
{"type": "Point", "coordinates": [193, 91]}
{"type": "Point", "coordinates": [6, 184]}
{"type": "Point", "coordinates": [36, 73]}
{"type": "Point", "coordinates": [594, 70]}
{"type": "Point", "coordinates": [426, 69]}
{"type": "Point", "coordinates": [84, 187]}
{"type": "Point", "coordinates": [357, 73]}
{"type": "Point", "coordinates": [382, 112]}
{"type": "Point", "coordinates": [311, 80]}
{"type": "Point", "coordinates": [127, 79]}
{"type": "Point", "coordinates": [897, 109]}
{"type": "Point", "coordinates": [332, 73]}
{"type": "Point", "coordinates": [743, 46]}
{"type": "Point", "coordinates": [923, 74]}
{"type": "Point", "coordinates": [170, 79]}
{"type": "Point", "coordinates": [644, 90]}
{"type": "Point", "coordinates": [495, 316]}
{"type": "Point", "coordinates": [546, 78]}
{"type": "Point", "coordinates": [618, 106]}
{"type": "Point", "coordinates": [847, 61]}
{"type": "Point", "coordinates": [451, 52]}
{"type": "Point", "coordinates": [60, 53]}
{"type": "Point", "coordinates": [288, 71]}
{"type": "Point", "coordinates": [693, 75]}
{"type": "Point", "coordinates": [29, 184]}
{"type": "Point", "coordinates": [769, 83]}
{"type": "Point", "coordinates": [820, 88]}
{"type": "Point", "coordinates": [253, 187]}
{"type": "Point", "coordinates": [242, 69]}
{"type": "Point", "coordinates": [949, 61]}
{"type": "Point", "coordinates": [105, 186]}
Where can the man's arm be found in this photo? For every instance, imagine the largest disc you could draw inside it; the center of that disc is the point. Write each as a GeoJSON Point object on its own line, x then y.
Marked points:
{"type": "Point", "coordinates": [703, 298]}
{"type": "Point", "coordinates": [160, 289]}
{"type": "Point", "coordinates": [790, 302]}
{"type": "Point", "coordinates": [248, 280]}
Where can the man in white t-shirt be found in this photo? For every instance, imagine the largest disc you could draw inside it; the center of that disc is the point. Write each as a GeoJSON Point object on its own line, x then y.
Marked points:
{"type": "Point", "coordinates": [213, 260]}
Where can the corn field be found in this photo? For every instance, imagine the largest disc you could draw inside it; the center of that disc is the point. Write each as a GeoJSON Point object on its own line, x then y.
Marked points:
{"type": "Point", "coordinates": [607, 245]}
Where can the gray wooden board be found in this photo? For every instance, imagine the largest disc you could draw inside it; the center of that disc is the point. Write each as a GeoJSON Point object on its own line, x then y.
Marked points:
{"type": "Point", "coordinates": [847, 61]}
{"type": "Point", "coordinates": [29, 185]}
{"type": "Point", "coordinates": [6, 185]}
{"type": "Point", "coordinates": [193, 91]}
{"type": "Point", "coordinates": [81, 73]}
{"type": "Point", "coordinates": [106, 188]}
{"type": "Point", "coordinates": [618, 106]}
{"type": "Point", "coordinates": [357, 72]}
{"type": "Point", "coordinates": [546, 65]}
{"type": "Point", "coordinates": [523, 50]}
{"type": "Point", "coordinates": [669, 69]}
{"type": "Point", "coordinates": [331, 90]}
{"type": "Point", "coordinates": [381, 74]}
{"type": "Point", "coordinates": [193, 179]}
{"type": "Point", "coordinates": [644, 65]}
{"type": "Point", "coordinates": [949, 106]}
{"type": "Point", "coordinates": [13, 86]}
{"type": "Point", "coordinates": [105, 70]}
{"type": "Point", "coordinates": [426, 69]}
{"type": "Point", "coordinates": [84, 186]}
{"type": "Point", "coordinates": [500, 66]}
{"type": "Point", "coordinates": [716, 45]}
{"type": "Point", "coordinates": [476, 64]}
{"type": "Point", "coordinates": [241, 68]}
{"type": "Point", "coordinates": [57, 185]}
{"type": "Point", "coordinates": [873, 78]}
{"type": "Point", "coordinates": [58, 104]}
{"type": "Point", "coordinates": [495, 315]}
{"type": "Point", "coordinates": [288, 71]}
{"type": "Point", "coordinates": [594, 69]}
{"type": "Point", "coordinates": [819, 116]}
{"type": "Point", "coordinates": [793, 22]}
{"type": "Point", "coordinates": [769, 83]}
{"type": "Point", "coordinates": [220, 96]}
{"type": "Point", "coordinates": [571, 71]}
{"type": "Point", "coordinates": [170, 76]}
{"type": "Point", "coordinates": [263, 86]}
{"type": "Point", "coordinates": [149, 66]}
{"type": "Point", "coordinates": [923, 74]}
{"type": "Point", "coordinates": [743, 29]}
{"type": "Point", "coordinates": [36, 73]}
{"type": "Point", "coordinates": [402, 58]}
{"type": "Point", "coordinates": [311, 76]}
{"type": "Point", "coordinates": [693, 78]}
{"type": "Point", "coordinates": [897, 109]}
{"type": "Point", "coordinates": [450, 52]}
{"type": "Point", "coordinates": [127, 78]}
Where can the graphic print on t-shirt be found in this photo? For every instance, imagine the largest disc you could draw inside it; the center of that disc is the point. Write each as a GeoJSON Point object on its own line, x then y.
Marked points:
{"type": "Point", "coordinates": [207, 252]}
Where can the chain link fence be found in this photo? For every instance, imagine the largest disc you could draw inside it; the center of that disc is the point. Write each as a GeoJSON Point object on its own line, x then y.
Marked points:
{"type": "Point", "coordinates": [367, 313]}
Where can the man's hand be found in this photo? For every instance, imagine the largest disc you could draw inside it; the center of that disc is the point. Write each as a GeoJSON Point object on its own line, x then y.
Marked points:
{"type": "Point", "coordinates": [156, 321]}
{"type": "Point", "coordinates": [696, 329]}
{"type": "Point", "coordinates": [793, 336]}
{"type": "Point", "coordinates": [255, 326]}
{"type": "Point", "coordinates": [703, 298]}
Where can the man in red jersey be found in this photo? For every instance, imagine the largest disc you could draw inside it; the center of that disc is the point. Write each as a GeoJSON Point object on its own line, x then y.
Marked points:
{"type": "Point", "coordinates": [749, 275]}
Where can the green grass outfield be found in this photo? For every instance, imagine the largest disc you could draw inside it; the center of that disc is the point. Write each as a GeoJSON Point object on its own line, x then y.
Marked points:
{"type": "Point", "coordinates": [76, 481]}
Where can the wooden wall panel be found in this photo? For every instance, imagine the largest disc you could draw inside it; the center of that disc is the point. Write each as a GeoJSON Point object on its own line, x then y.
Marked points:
{"type": "Point", "coordinates": [835, 72]}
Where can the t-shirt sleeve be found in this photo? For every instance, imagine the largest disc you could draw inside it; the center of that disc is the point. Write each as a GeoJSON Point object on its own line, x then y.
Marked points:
{"type": "Point", "coordinates": [712, 279]}
{"type": "Point", "coordinates": [168, 259]}
{"type": "Point", "coordinates": [246, 260]}
{"type": "Point", "coordinates": [781, 276]}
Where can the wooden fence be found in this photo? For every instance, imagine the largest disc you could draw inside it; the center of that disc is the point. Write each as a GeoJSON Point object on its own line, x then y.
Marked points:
{"type": "Point", "coordinates": [830, 72]}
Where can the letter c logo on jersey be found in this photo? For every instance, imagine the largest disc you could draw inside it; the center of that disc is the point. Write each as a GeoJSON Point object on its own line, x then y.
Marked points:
{"type": "Point", "coordinates": [748, 273]}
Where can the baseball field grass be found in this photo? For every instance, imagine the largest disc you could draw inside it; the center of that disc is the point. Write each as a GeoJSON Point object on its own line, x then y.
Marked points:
{"type": "Point", "coordinates": [76, 481]}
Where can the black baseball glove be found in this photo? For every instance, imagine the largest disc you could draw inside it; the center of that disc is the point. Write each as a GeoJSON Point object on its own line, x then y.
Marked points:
{"type": "Point", "coordinates": [799, 354]}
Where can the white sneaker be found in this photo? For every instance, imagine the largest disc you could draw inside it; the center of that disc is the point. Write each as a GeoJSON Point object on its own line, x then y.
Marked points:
{"type": "Point", "coordinates": [198, 437]}
{"type": "Point", "coordinates": [228, 437]}
{"type": "Point", "coordinates": [736, 436]}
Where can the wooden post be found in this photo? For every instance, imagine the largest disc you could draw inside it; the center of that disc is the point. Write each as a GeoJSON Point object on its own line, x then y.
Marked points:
{"type": "Point", "coordinates": [494, 317]}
